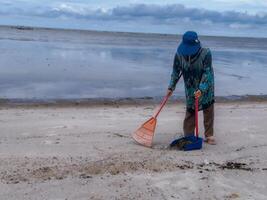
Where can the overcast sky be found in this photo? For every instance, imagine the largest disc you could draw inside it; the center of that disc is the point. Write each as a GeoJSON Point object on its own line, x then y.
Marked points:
{"type": "Point", "coordinates": [213, 17]}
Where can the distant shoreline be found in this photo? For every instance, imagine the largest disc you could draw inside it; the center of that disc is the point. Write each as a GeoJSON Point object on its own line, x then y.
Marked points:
{"type": "Point", "coordinates": [118, 101]}
{"type": "Point", "coordinates": [31, 28]}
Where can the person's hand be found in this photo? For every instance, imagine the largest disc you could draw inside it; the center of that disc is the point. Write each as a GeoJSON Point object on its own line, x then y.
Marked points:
{"type": "Point", "coordinates": [198, 94]}
{"type": "Point", "coordinates": [169, 92]}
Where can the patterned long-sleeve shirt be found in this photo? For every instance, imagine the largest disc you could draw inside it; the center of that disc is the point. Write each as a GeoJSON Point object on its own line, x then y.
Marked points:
{"type": "Point", "coordinates": [198, 74]}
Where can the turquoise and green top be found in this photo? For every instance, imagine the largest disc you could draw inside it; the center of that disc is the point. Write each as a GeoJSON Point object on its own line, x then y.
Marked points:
{"type": "Point", "coordinates": [198, 74]}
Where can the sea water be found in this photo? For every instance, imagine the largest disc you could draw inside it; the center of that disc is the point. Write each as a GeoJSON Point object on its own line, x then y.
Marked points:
{"type": "Point", "coordinates": [70, 64]}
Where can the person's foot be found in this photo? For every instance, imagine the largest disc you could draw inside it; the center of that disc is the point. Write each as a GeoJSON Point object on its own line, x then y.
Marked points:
{"type": "Point", "coordinates": [210, 140]}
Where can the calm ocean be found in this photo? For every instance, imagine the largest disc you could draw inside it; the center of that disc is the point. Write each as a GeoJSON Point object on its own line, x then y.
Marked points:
{"type": "Point", "coordinates": [64, 64]}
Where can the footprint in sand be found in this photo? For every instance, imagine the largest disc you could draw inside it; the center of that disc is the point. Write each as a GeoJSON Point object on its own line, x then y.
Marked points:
{"type": "Point", "coordinates": [48, 142]}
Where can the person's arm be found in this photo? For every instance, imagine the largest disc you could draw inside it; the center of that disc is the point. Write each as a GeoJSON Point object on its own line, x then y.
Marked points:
{"type": "Point", "coordinates": [208, 75]}
{"type": "Point", "coordinates": [175, 74]}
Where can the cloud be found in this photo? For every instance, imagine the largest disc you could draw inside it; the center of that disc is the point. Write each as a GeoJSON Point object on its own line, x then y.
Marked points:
{"type": "Point", "coordinates": [160, 13]}
{"type": "Point", "coordinates": [178, 11]}
{"type": "Point", "coordinates": [142, 16]}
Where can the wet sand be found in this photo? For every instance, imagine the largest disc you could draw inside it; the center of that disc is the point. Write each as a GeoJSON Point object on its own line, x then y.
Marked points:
{"type": "Point", "coordinates": [86, 152]}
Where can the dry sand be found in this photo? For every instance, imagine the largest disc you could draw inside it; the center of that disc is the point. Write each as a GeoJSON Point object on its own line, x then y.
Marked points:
{"type": "Point", "coordinates": [65, 153]}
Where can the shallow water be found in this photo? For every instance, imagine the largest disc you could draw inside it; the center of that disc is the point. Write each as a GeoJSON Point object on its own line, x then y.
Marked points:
{"type": "Point", "coordinates": [61, 64]}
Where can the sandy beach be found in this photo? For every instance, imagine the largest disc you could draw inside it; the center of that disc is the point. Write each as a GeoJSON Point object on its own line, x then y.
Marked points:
{"type": "Point", "coordinates": [78, 78]}
{"type": "Point", "coordinates": [86, 152]}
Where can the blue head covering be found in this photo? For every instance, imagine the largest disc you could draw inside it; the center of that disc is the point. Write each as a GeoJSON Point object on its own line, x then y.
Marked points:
{"type": "Point", "coordinates": [190, 44]}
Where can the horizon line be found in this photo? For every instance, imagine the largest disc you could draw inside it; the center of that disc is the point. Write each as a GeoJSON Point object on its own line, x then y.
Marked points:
{"type": "Point", "coordinates": [26, 27]}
